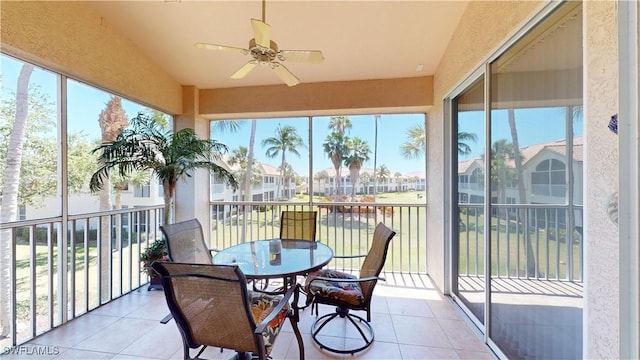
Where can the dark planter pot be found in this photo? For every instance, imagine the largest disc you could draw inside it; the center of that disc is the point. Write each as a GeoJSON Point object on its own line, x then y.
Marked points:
{"type": "Point", "coordinates": [155, 282]}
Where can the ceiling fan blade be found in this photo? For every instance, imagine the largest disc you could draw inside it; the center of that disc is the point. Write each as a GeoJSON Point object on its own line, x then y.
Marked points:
{"type": "Point", "coordinates": [284, 74]}
{"type": "Point", "coordinates": [220, 47]}
{"type": "Point", "coordinates": [244, 70]}
{"type": "Point", "coordinates": [310, 56]}
{"type": "Point", "coordinates": [261, 32]}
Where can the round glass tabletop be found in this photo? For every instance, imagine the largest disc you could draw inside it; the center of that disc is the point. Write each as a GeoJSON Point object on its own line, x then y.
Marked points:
{"type": "Point", "coordinates": [275, 258]}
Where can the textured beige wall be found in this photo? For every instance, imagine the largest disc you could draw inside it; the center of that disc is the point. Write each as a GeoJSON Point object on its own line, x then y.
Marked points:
{"type": "Point", "coordinates": [191, 193]}
{"type": "Point", "coordinates": [484, 26]}
{"type": "Point", "coordinates": [71, 39]}
{"type": "Point", "coordinates": [373, 96]}
{"type": "Point", "coordinates": [602, 290]}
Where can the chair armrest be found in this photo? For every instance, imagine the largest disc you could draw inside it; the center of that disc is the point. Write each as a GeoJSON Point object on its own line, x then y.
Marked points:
{"type": "Point", "coordinates": [349, 256]}
{"type": "Point", "coordinates": [357, 280]}
{"type": "Point", "coordinates": [276, 310]}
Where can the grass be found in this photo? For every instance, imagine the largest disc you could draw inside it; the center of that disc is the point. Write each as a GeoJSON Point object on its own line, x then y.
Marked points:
{"type": "Point", "coordinates": [509, 252]}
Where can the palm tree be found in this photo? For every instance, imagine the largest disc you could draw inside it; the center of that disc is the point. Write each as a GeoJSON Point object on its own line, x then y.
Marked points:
{"type": "Point", "coordinates": [286, 140]}
{"type": "Point", "coordinates": [340, 124]}
{"type": "Point", "coordinates": [145, 145]}
{"type": "Point", "coordinates": [288, 174]}
{"type": "Point", "coordinates": [112, 120]}
{"type": "Point", "coordinates": [463, 137]}
{"type": "Point", "coordinates": [9, 210]}
{"type": "Point", "coordinates": [502, 174]}
{"type": "Point", "coordinates": [397, 177]}
{"type": "Point", "coordinates": [335, 146]}
{"type": "Point", "coordinates": [358, 153]}
{"type": "Point", "coordinates": [364, 180]}
{"type": "Point", "coordinates": [240, 157]}
{"type": "Point", "coordinates": [120, 183]}
{"type": "Point", "coordinates": [416, 144]}
{"type": "Point", "coordinates": [383, 173]}
{"type": "Point", "coordinates": [321, 176]}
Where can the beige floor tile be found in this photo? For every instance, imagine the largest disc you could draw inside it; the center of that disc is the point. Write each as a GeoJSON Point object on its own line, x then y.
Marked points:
{"type": "Point", "coordinates": [377, 350]}
{"type": "Point", "coordinates": [159, 343]}
{"type": "Point", "coordinates": [84, 355]}
{"type": "Point", "coordinates": [77, 330]}
{"type": "Point", "coordinates": [409, 306]}
{"type": "Point", "coordinates": [413, 352]}
{"type": "Point", "coordinates": [444, 309]}
{"type": "Point", "coordinates": [461, 336]}
{"type": "Point", "coordinates": [408, 324]}
{"type": "Point", "coordinates": [420, 331]}
{"type": "Point", "coordinates": [382, 328]}
{"type": "Point", "coordinates": [475, 355]}
{"type": "Point", "coordinates": [127, 304]}
{"type": "Point", "coordinates": [118, 336]}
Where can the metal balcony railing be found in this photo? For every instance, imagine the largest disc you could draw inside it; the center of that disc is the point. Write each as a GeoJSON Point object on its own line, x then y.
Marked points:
{"type": "Point", "coordinates": [346, 227]}
{"type": "Point", "coordinates": [527, 241]}
{"type": "Point", "coordinates": [55, 278]}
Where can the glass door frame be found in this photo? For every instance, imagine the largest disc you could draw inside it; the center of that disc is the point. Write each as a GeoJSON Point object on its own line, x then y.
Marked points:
{"type": "Point", "coordinates": [450, 171]}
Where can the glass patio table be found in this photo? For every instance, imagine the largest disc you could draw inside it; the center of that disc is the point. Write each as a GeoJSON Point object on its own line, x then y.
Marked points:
{"type": "Point", "coordinates": [275, 258]}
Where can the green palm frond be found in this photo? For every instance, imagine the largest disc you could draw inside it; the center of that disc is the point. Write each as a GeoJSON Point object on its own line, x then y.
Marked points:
{"type": "Point", "coordinates": [146, 145]}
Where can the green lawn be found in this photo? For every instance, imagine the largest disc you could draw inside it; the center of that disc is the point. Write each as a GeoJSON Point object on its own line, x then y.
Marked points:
{"type": "Point", "coordinates": [549, 254]}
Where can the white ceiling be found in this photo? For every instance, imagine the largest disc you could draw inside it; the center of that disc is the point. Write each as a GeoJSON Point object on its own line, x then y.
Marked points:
{"type": "Point", "coordinates": [359, 39]}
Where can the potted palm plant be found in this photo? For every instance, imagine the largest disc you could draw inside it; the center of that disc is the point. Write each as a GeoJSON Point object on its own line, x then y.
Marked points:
{"type": "Point", "coordinates": [145, 145]}
{"type": "Point", "coordinates": [157, 251]}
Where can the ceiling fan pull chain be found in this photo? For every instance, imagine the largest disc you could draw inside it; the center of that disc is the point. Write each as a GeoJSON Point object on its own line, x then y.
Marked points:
{"type": "Point", "coordinates": [264, 10]}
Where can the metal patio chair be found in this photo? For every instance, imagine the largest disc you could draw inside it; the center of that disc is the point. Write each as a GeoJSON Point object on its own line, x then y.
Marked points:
{"type": "Point", "coordinates": [348, 292]}
{"type": "Point", "coordinates": [213, 307]}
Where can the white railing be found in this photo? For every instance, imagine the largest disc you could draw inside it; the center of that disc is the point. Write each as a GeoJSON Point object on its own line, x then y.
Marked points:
{"type": "Point", "coordinates": [346, 227]}
{"type": "Point", "coordinates": [528, 241]}
{"type": "Point", "coordinates": [55, 278]}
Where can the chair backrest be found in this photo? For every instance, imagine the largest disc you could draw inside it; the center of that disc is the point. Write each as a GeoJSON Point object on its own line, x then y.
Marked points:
{"type": "Point", "coordinates": [185, 242]}
{"type": "Point", "coordinates": [300, 225]}
{"type": "Point", "coordinates": [377, 255]}
{"type": "Point", "coordinates": [210, 304]}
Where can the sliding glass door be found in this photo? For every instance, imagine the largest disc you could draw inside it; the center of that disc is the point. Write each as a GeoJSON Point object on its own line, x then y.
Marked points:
{"type": "Point", "coordinates": [517, 145]}
{"type": "Point", "coordinates": [468, 150]}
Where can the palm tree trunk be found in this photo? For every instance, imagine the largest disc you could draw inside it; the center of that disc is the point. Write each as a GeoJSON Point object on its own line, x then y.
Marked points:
{"type": "Point", "coordinates": [531, 260]}
{"type": "Point", "coordinates": [169, 190]}
{"type": "Point", "coordinates": [10, 189]}
{"type": "Point", "coordinates": [248, 193]}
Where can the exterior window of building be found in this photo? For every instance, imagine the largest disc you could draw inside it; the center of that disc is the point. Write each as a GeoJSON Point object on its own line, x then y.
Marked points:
{"type": "Point", "coordinates": [476, 176]}
{"type": "Point", "coordinates": [143, 191]}
{"type": "Point", "coordinates": [549, 178]}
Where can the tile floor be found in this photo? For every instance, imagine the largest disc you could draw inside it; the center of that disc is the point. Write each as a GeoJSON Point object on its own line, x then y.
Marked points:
{"type": "Point", "coordinates": [410, 323]}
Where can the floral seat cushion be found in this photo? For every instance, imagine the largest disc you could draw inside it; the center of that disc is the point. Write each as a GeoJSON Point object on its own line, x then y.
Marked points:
{"type": "Point", "coordinates": [261, 307]}
{"type": "Point", "coordinates": [347, 292]}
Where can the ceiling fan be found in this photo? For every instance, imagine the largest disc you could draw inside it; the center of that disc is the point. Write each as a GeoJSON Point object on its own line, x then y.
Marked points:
{"type": "Point", "coordinates": [264, 51]}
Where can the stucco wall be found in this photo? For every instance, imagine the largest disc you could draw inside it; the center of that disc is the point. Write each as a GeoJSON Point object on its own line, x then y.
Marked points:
{"type": "Point", "coordinates": [602, 292]}
{"type": "Point", "coordinates": [70, 38]}
{"type": "Point", "coordinates": [484, 26]}
{"type": "Point", "coordinates": [344, 97]}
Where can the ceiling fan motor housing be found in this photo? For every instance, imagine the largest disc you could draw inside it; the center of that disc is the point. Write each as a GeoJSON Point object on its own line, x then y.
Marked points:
{"type": "Point", "coordinates": [263, 54]}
